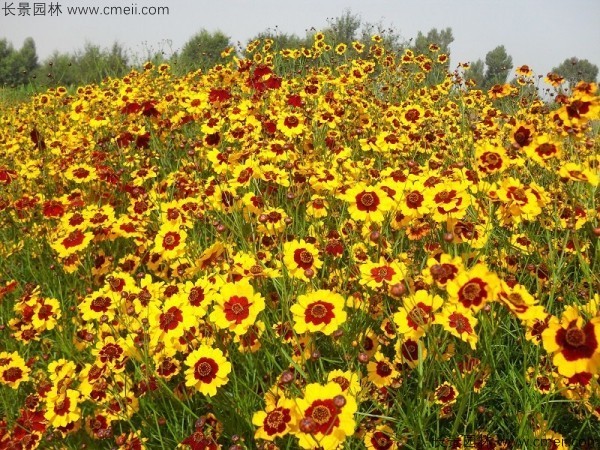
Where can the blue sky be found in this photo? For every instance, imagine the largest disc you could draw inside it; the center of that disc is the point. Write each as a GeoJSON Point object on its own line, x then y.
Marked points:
{"type": "Point", "coordinates": [540, 33]}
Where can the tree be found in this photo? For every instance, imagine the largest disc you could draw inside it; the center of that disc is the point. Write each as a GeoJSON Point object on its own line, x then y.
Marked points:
{"type": "Point", "coordinates": [499, 65]}
{"type": "Point", "coordinates": [203, 50]}
{"type": "Point", "coordinates": [574, 70]}
{"type": "Point", "coordinates": [443, 38]}
{"type": "Point", "coordinates": [17, 67]}
{"type": "Point", "coordinates": [343, 29]}
{"type": "Point", "coordinates": [476, 73]}
{"type": "Point", "coordinates": [94, 63]}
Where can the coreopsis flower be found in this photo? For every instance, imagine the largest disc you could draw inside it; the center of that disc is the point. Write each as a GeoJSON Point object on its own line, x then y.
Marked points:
{"type": "Point", "coordinates": [574, 342]}
{"type": "Point", "coordinates": [278, 419]}
{"type": "Point", "coordinates": [291, 124]}
{"type": "Point", "coordinates": [348, 381]}
{"type": "Point", "coordinates": [71, 241]}
{"type": "Point", "coordinates": [520, 302]}
{"type": "Point", "coordinates": [236, 307]}
{"type": "Point", "coordinates": [414, 200]}
{"type": "Point", "coordinates": [169, 321]}
{"type": "Point", "coordinates": [473, 288]}
{"type": "Point", "coordinates": [577, 172]}
{"type": "Point", "coordinates": [442, 270]}
{"type": "Point", "coordinates": [445, 394]}
{"type": "Point", "coordinates": [13, 370]}
{"type": "Point", "coordinates": [544, 148]}
{"type": "Point", "coordinates": [317, 207]}
{"type": "Point", "coordinates": [381, 371]}
{"type": "Point", "coordinates": [377, 274]}
{"type": "Point", "coordinates": [199, 295]}
{"type": "Point", "coordinates": [301, 257]}
{"type": "Point", "coordinates": [170, 241]}
{"type": "Point", "coordinates": [417, 313]}
{"type": "Point", "coordinates": [409, 352]}
{"type": "Point", "coordinates": [62, 408]}
{"type": "Point", "coordinates": [522, 134]}
{"type": "Point", "coordinates": [325, 416]}
{"type": "Point", "coordinates": [490, 159]}
{"type": "Point", "coordinates": [458, 321]}
{"type": "Point", "coordinates": [321, 310]}
{"type": "Point", "coordinates": [81, 173]}
{"type": "Point", "coordinates": [367, 203]}
{"type": "Point", "coordinates": [46, 313]}
{"type": "Point", "coordinates": [99, 304]}
{"type": "Point", "coordinates": [111, 352]}
{"type": "Point", "coordinates": [519, 201]}
{"type": "Point", "coordinates": [380, 438]}
{"type": "Point", "coordinates": [208, 369]}
{"type": "Point", "coordinates": [449, 201]}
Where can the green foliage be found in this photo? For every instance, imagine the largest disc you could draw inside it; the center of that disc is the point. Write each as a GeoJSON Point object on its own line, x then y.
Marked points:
{"type": "Point", "coordinates": [443, 38]}
{"type": "Point", "coordinates": [17, 67]}
{"type": "Point", "coordinates": [574, 70]}
{"type": "Point", "coordinates": [476, 73]}
{"type": "Point", "coordinates": [343, 29]}
{"type": "Point", "coordinates": [202, 51]}
{"type": "Point", "coordinates": [499, 64]}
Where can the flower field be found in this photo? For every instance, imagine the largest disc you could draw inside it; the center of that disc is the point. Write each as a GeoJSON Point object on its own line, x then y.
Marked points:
{"type": "Point", "coordinates": [340, 247]}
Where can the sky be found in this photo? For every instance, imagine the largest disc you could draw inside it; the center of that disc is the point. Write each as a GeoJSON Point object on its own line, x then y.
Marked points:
{"type": "Point", "coordinates": [539, 33]}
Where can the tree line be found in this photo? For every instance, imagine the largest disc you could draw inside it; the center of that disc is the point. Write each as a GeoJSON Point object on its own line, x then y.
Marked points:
{"type": "Point", "coordinates": [92, 64]}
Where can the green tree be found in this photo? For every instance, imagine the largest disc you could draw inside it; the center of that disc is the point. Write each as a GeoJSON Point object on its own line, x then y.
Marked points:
{"type": "Point", "coordinates": [443, 38]}
{"type": "Point", "coordinates": [499, 65]}
{"type": "Point", "coordinates": [202, 51]}
{"type": "Point", "coordinates": [476, 73]}
{"type": "Point", "coordinates": [343, 29]}
{"type": "Point", "coordinates": [93, 64]}
{"type": "Point", "coordinates": [17, 67]}
{"type": "Point", "coordinates": [574, 70]}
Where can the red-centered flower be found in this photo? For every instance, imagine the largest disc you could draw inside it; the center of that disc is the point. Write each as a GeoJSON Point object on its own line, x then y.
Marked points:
{"type": "Point", "coordinates": [321, 310]}
{"type": "Point", "coordinates": [574, 342]}
{"type": "Point", "coordinates": [207, 370]}
{"type": "Point", "coordinates": [170, 319]}
{"type": "Point", "coordinates": [237, 309]}
{"type": "Point", "coordinates": [276, 420]}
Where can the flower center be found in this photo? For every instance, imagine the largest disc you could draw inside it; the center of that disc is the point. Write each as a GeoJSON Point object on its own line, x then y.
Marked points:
{"type": "Point", "coordinates": [306, 257]}
{"type": "Point", "coordinates": [203, 369]}
{"type": "Point", "coordinates": [367, 199]}
{"type": "Point", "coordinates": [275, 419]}
{"type": "Point", "coordinates": [318, 311]}
{"type": "Point", "coordinates": [575, 337]}
{"type": "Point", "coordinates": [321, 414]}
{"type": "Point", "coordinates": [471, 291]}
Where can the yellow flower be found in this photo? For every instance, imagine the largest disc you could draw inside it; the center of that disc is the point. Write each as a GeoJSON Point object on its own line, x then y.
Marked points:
{"type": "Point", "coordinates": [301, 258]}
{"type": "Point", "coordinates": [376, 274]}
{"type": "Point", "coordinates": [325, 416]}
{"type": "Point", "coordinates": [573, 342]}
{"type": "Point", "coordinates": [473, 288]}
{"type": "Point", "coordinates": [208, 370]}
{"type": "Point", "coordinates": [321, 310]}
{"type": "Point", "coordinates": [459, 322]}
{"type": "Point", "coordinates": [13, 370]}
{"type": "Point", "coordinates": [170, 241]}
{"type": "Point", "coordinates": [381, 372]}
{"type": "Point", "coordinates": [276, 420]}
{"type": "Point", "coordinates": [417, 313]}
{"type": "Point", "coordinates": [62, 408]}
{"type": "Point", "coordinates": [236, 307]}
{"type": "Point", "coordinates": [367, 203]}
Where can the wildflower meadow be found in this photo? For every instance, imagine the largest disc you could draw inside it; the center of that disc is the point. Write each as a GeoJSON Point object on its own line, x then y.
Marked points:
{"type": "Point", "coordinates": [338, 247]}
